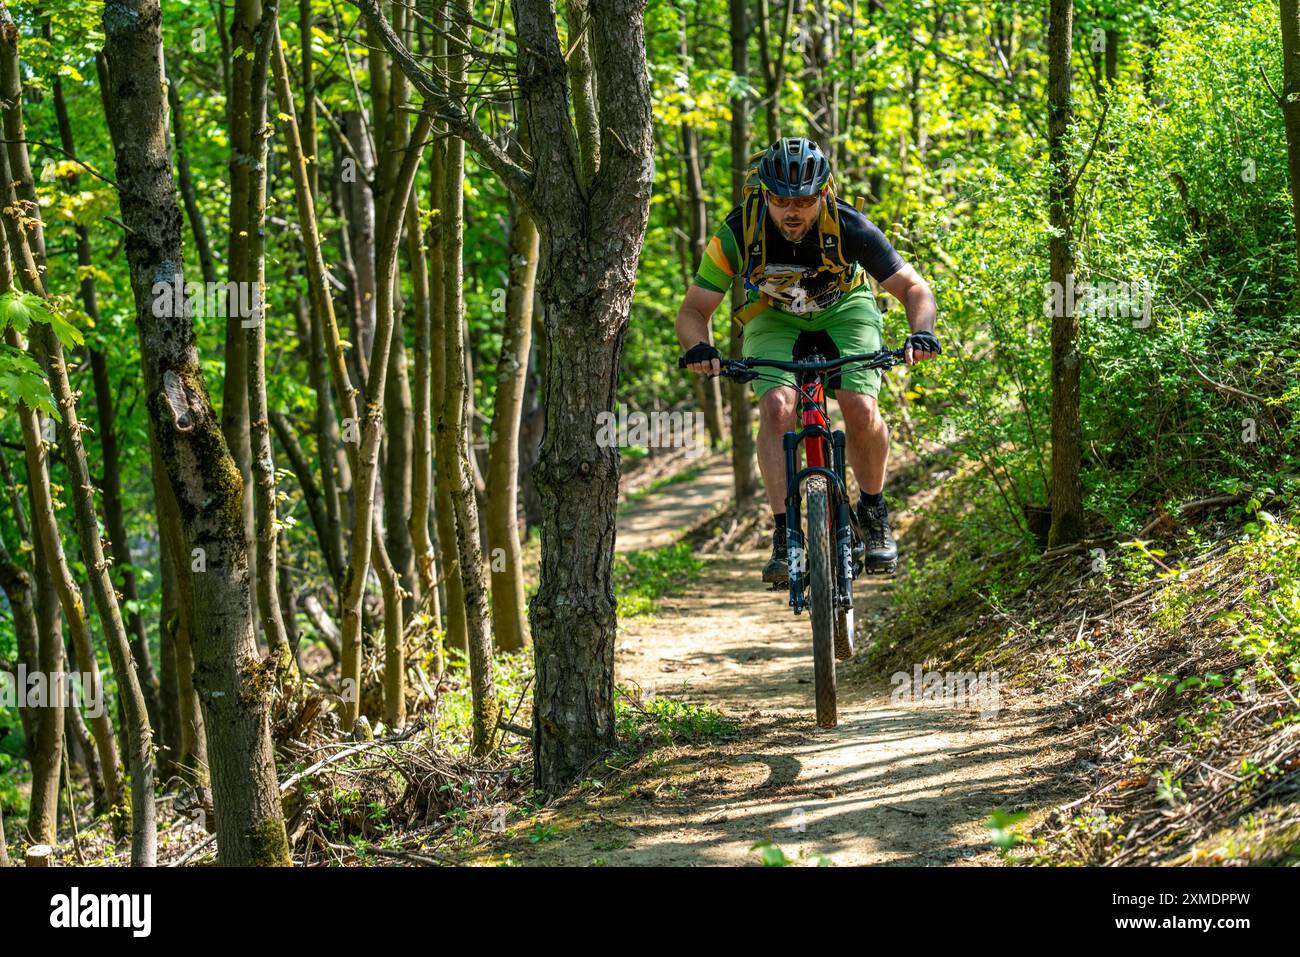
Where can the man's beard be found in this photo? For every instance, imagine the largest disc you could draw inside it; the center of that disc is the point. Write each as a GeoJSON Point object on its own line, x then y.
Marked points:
{"type": "Point", "coordinates": [795, 233]}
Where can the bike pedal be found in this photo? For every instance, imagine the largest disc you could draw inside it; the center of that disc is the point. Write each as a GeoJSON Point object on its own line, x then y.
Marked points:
{"type": "Point", "coordinates": [780, 586]}
{"type": "Point", "coordinates": [889, 568]}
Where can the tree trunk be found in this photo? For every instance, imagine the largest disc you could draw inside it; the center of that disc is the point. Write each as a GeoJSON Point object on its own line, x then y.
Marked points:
{"type": "Point", "coordinates": [244, 107]}
{"type": "Point", "coordinates": [591, 236]}
{"type": "Point", "coordinates": [426, 591]}
{"type": "Point", "coordinates": [453, 432]}
{"type": "Point", "coordinates": [1067, 493]}
{"type": "Point", "coordinates": [444, 510]}
{"type": "Point", "coordinates": [698, 215]}
{"type": "Point", "coordinates": [233, 684]}
{"type": "Point", "coordinates": [359, 202]}
{"type": "Point", "coordinates": [738, 393]}
{"type": "Point", "coordinates": [198, 225]}
{"type": "Point", "coordinates": [505, 554]}
{"type": "Point", "coordinates": [363, 496]}
{"type": "Point", "coordinates": [254, 330]}
{"type": "Point", "coordinates": [327, 365]}
{"type": "Point", "coordinates": [45, 729]}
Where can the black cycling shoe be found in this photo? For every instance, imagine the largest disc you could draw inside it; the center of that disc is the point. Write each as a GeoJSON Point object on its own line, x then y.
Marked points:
{"type": "Point", "coordinates": [777, 569]}
{"type": "Point", "coordinates": [881, 556]}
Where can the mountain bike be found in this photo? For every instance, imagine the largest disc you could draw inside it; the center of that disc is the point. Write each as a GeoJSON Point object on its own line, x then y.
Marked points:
{"type": "Point", "coordinates": [824, 561]}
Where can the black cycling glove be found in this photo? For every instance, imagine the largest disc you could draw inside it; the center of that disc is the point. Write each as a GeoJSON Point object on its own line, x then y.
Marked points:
{"type": "Point", "coordinates": [700, 352]}
{"type": "Point", "coordinates": [923, 342]}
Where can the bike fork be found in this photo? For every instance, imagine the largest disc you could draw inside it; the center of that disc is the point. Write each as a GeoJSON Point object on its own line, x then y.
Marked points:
{"type": "Point", "coordinates": [794, 545]}
{"type": "Point", "coordinates": [843, 533]}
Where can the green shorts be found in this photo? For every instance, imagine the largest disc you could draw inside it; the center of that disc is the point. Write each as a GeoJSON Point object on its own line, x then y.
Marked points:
{"type": "Point", "coordinates": [850, 326]}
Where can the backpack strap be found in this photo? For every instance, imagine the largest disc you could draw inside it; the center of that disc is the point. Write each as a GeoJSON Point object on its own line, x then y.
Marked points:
{"type": "Point", "coordinates": [753, 220]}
{"type": "Point", "coordinates": [832, 242]}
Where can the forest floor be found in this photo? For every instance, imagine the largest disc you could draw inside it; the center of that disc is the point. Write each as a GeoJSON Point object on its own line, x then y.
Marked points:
{"type": "Point", "coordinates": [895, 784]}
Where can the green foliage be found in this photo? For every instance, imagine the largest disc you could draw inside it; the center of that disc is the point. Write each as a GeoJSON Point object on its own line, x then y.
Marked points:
{"type": "Point", "coordinates": [640, 577]}
{"type": "Point", "coordinates": [1002, 828]}
{"type": "Point", "coordinates": [668, 720]}
{"type": "Point", "coordinates": [512, 673]}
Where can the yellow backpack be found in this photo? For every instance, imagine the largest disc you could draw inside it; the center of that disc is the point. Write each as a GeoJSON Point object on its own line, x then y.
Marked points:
{"type": "Point", "coordinates": [753, 219]}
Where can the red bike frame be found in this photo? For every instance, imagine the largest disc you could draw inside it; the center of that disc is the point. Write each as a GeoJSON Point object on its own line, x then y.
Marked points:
{"type": "Point", "coordinates": [813, 399]}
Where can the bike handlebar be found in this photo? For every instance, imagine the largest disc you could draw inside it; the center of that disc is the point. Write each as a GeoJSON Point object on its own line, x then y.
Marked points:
{"type": "Point", "coordinates": [742, 369]}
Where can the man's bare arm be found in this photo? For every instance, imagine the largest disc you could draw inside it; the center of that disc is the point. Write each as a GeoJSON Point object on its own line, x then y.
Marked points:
{"type": "Point", "coordinates": [917, 298]}
{"type": "Point", "coordinates": [693, 323]}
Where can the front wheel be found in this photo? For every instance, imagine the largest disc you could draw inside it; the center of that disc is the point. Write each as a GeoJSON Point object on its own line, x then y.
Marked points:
{"type": "Point", "coordinates": [822, 579]}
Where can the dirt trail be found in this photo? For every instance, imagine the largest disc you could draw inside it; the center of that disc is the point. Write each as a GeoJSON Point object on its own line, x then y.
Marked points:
{"type": "Point", "coordinates": [905, 784]}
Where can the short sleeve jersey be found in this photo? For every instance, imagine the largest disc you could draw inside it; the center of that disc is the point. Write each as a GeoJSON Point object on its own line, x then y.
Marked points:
{"type": "Point", "coordinates": [804, 285]}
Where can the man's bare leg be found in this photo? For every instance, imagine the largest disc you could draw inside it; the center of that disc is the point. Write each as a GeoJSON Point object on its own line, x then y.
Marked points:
{"type": "Point", "coordinates": [866, 439]}
{"type": "Point", "coordinates": [776, 416]}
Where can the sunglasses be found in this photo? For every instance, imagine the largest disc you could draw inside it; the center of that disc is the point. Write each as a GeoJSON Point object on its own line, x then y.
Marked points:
{"type": "Point", "coordinates": [798, 202]}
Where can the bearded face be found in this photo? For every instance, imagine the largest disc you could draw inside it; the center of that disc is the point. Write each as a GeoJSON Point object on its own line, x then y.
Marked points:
{"type": "Point", "coordinates": [793, 219]}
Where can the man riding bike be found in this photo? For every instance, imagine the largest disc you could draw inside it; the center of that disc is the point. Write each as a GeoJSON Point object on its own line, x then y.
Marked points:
{"type": "Point", "coordinates": [802, 253]}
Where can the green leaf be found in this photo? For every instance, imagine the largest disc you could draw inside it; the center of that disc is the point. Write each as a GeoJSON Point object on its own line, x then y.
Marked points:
{"type": "Point", "coordinates": [19, 309]}
{"type": "Point", "coordinates": [68, 334]}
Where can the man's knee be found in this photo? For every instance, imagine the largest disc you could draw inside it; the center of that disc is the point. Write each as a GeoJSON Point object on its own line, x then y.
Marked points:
{"type": "Point", "coordinates": [776, 409]}
{"type": "Point", "coordinates": [860, 411]}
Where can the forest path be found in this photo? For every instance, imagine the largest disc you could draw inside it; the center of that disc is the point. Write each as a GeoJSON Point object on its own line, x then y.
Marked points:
{"type": "Point", "coordinates": [898, 784]}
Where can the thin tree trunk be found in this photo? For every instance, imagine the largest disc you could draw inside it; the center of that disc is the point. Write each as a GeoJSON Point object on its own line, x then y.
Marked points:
{"type": "Point", "coordinates": [307, 123]}
{"type": "Point", "coordinates": [327, 365]}
{"type": "Point", "coordinates": [509, 610]}
{"type": "Point", "coordinates": [698, 213]}
{"type": "Point", "coordinates": [1067, 492]}
{"type": "Point", "coordinates": [44, 730]}
{"type": "Point", "coordinates": [359, 202]}
{"type": "Point", "coordinates": [455, 628]}
{"type": "Point", "coordinates": [397, 393]}
{"type": "Point", "coordinates": [453, 432]}
{"type": "Point", "coordinates": [738, 394]}
{"type": "Point", "coordinates": [254, 329]}
{"type": "Point", "coordinates": [351, 597]}
{"type": "Point", "coordinates": [583, 83]}
{"type": "Point", "coordinates": [244, 108]}
{"type": "Point", "coordinates": [368, 455]}
{"type": "Point", "coordinates": [232, 682]}
{"type": "Point", "coordinates": [773, 59]}
{"type": "Point", "coordinates": [323, 503]}
{"type": "Point", "coordinates": [422, 423]}
{"type": "Point", "coordinates": [192, 750]}
{"type": "Point", "coordinates": [198, 225]}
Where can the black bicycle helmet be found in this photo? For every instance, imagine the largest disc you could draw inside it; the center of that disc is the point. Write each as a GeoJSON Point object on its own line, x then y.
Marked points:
{"type": "Point", "coordinates": [794, 166]}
